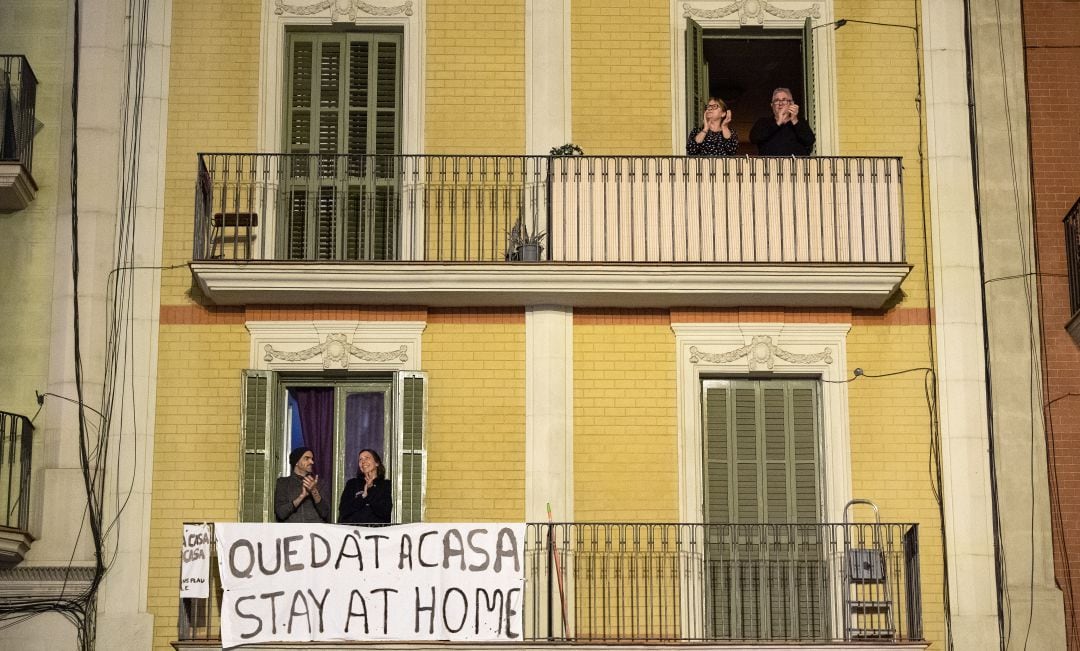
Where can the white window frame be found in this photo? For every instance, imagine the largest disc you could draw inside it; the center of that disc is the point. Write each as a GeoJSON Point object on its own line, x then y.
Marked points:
{"type": "Point", "coordinates": [804, 343]}
{"type": "Point", "coordinates": [279, 15]}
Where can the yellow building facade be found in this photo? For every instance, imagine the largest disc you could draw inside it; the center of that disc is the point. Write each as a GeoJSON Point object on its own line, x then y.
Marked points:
{"type": "Point", "coordinates": [467, 87]}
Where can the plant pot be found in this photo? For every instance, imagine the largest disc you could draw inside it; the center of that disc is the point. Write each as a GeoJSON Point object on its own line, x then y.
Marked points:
{"type": "Point", "coordinates": [529, 252]}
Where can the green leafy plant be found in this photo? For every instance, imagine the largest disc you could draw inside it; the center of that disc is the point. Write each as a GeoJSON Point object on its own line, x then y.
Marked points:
{"type": "Point", "coordinates": [519, 237]}
{"type": "Point", "coordinates": [569, 149]}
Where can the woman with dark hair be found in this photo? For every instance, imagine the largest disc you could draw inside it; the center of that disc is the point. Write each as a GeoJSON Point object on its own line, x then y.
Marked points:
{"type": "Point", "coordinates": [366, 498]}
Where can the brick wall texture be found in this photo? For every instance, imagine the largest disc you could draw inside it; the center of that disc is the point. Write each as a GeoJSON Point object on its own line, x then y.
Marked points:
{"type": "Point", "coordinates": [1052, 52]}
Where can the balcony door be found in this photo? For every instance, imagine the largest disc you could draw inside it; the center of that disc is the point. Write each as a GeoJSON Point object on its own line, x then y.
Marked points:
{"type": "Point", "coordinates": [765, 566]}
{"type": "Point", "coordinates": [743, 67]}
{"type": "Point", "coordinates": [339, 187]}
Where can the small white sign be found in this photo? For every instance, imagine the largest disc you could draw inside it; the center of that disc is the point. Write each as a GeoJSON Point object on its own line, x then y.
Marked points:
{"type": "Point", "coordinates": [195, 562]}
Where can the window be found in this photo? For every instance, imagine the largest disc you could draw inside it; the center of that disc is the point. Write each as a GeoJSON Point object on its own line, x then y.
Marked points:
{"type": "Point", "coordinates": [336, 418]}
{"type": "Point", "coordinates": [342, 129]}
{"type": "Point", "coordinates": [762, 467]}
{"type": "Point", "coordinates": [743, 66]}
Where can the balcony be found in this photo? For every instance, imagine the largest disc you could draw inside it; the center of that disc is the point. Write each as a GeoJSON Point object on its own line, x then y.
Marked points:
{"type": "Point", "coordinates": [1072, 261]}
{"type": "Point", "coordinates": [612, 231]}
{"type": "Point", "coordinates": [16, 442]}
{"type": "Point", "coordinates": [18, 91]}
{"type": "Point", "coordinates": [780, 585]}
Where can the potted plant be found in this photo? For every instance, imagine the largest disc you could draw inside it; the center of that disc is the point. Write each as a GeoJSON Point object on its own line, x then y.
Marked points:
{"type": "Point", "coordinates": [569, 149]}
{"type": "Point", "coordinates": [522, 245]}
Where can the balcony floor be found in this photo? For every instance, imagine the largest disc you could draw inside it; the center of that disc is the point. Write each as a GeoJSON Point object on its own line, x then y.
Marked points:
{"type": "Point", "coordinates": [576, 646]}
{"type": "Point", "coordinates": [645, 285]}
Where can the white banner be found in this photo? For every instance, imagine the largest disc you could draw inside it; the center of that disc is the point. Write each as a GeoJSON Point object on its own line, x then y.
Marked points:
{"type": "Point", "coordinates": [324, 582]}
{"type": "Point", "coordinates": [195, 562]}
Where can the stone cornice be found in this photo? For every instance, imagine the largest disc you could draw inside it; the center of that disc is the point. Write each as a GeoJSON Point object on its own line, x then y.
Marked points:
{"type": "Point", "coordinates": [585, 285]}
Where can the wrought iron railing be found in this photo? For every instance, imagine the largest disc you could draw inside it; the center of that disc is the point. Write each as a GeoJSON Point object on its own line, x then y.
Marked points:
{"type": "Point", "coordinates": [16, 443]}
{"type": "Point", "coordinates": [18, 92]}
{"type": "Point", "coordinates": [1072, 256]}
{"type": "Point", "coordinates": [622, 582]}
{"type": "Point", "coordinates": [597, 209]}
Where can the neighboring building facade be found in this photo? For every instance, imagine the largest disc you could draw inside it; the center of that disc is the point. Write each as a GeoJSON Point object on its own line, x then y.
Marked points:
{"type": "Point", "coordinates": [709, 341]}
{"type": "Point", "coordinates": [1051, 61]}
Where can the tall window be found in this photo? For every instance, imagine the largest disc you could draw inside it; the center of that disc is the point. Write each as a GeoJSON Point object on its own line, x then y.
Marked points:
{"type": "Point", "coordinates": [743, 66]}
{"type": "Point", "coordinates": [762, 467]}
{"type": "Point", "coordinates": [343, 118]}
{"type": "Point", "coordinates": [336, 419]}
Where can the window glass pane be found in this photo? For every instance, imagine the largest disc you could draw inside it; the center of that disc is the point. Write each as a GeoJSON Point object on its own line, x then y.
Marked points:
{"type": "Point", "coordinates": [365, 428]}
{"type": "Point", "coordinates": [311, 418]}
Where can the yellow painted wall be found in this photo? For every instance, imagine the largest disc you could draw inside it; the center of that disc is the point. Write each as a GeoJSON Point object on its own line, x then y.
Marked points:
{"type": "Point", "coordinates": [213, 107]}
{"type": "Point", "coordinates": [625, 439]}
{"type": "Point", "coordinates": [891, 443]}
{"type": "Point", "coordinates": [476, 411]}
{"type": "Point", "coordinates": [474, 99]}
{"type": "Point", "coordinates": [621, 76]}
{"type": "Point", "coordinates": [877, 85]}
{"type": "Point", "coordinates": [196, 451]}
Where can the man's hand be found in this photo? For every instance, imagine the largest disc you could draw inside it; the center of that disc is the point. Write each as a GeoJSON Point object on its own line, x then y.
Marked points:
{"type": "Point", "coordinates": [793, 113]}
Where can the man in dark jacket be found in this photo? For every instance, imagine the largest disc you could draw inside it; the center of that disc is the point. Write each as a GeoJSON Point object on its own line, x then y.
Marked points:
{"type": "Point", "coordinates": [785, 133]}
{"type": "Point", "coordinates": [297, 497]}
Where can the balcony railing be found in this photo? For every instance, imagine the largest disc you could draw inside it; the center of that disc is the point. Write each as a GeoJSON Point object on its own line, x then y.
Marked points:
{"type": "Point", "coordinates": [581, 209]}
{"type": "Point", "coordinates": [1072, 256]}
{"type": "Point", "coordinates": [18, 91]}
{"type": "Point", "coordinates": [686, 583]}
{"type": "Point", "coordinates": [16, 442]}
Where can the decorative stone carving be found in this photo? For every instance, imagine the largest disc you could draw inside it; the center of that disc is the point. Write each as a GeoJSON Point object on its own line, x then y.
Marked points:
{"type": "Point", "coordinates": [336, 351]}
{"type": "Point", "coordinates": [760, 353]}
{"type": "Point", "coordinates": [751, 12]}
{"type": "Point", "coordinates": [343, 10]}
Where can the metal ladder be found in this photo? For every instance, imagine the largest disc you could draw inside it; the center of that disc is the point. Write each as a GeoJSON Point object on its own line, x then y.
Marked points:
{"type": "Point", "coordinates": [868, 605]}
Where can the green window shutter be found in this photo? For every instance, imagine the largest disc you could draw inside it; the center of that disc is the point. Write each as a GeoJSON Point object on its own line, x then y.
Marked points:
{"type": "Point", "coordinates": [808, 73]}
{"type": "Point", "coordinates": [805, 464]}
{"type": "Point", "coordinates": [411, 450]}
{"type": "Point", "coordinates": [761, 451]}
{"type": "Point", "coordinates": [256, 418]}
{"type": "Point", "coordinates": [717, 460]}
{"type": "Point", "coordinates": [697, 74]}
{"type": "Point", "coordinates": [343, 96]}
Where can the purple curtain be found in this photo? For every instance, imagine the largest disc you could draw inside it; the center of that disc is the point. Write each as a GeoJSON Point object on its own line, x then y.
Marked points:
{"type": "Point", "coordinates": [316, 410]}
{"type": "Point", "coordinates": [364, 416]}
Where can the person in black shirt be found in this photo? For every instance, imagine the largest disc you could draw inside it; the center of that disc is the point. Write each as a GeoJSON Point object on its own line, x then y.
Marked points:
{"type": "Point", "coordinates": [366, 498]}
{"type": "Point", "coordinates": [785, 133]}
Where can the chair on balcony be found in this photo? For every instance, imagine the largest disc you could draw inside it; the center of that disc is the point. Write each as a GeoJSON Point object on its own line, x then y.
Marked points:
{"type": "Point", "coordinates": [237, 243]}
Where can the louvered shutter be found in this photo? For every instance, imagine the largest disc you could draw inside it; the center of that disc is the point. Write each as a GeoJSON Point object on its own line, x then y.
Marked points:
{"type": "Point", "coordinates": [769, 432]}
{"type": "Point", "coordinates": [256, 481]}
{"type": "Point", "coordinates": [808, 110]}
{"type": "Point", "coordinates": [717, 458]}
{"type": "Point", "coordinates": [697, 76]}
{"type": "Point", "coordinates": [411, 450]}
{"type": "Point", "coordinates": [344, 95]}
{"type": "Point", "coordinates": [762, 466]}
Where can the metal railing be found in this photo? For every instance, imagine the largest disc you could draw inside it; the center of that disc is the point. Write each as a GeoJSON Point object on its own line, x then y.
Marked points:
{"type": "Point", "coordinates": [596, 209]}
{"type": "Point", "coordinates": [1072, 256]}
{"type": "Point", "coordinates": [760, 583]}
{"type": "Point", "coordinates": [16, 443]}
{"type": "Point", "coordinates": [18, 93]}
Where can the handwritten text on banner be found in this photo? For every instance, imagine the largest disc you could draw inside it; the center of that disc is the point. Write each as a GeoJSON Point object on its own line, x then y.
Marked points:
{"type": "Point", "coordinates": [316, 582]}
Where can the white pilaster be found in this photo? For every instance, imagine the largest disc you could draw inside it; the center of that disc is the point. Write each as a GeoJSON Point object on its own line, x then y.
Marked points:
{"type": "Point", "coordinates": [959, 334]}
{"type": "Point", "coordinates": [549, 413]}
{"type": "Point", "coordinates": [547, 75]}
